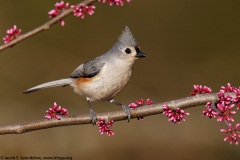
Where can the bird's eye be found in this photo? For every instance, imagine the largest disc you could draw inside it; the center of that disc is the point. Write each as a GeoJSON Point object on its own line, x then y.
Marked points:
{"type": "Point", "coordinates": [128, 50]}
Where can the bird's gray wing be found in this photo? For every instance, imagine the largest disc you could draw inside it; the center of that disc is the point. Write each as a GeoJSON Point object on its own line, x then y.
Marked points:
{"type": "Point", "coordinates": [88, 69]}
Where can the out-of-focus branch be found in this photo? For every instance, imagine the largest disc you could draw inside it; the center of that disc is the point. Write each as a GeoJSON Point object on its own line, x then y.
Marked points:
{"type": "Point", "coordinates": [142, 111]}
{"type": "Point", "coordinates": [44, 27]}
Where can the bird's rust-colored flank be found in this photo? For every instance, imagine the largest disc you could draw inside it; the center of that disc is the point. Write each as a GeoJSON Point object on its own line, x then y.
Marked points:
{"type": "Point", "coordinates": [82, 80]}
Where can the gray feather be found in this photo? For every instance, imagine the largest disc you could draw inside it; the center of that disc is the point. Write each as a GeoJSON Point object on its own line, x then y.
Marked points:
{"type": "Point", "coordinates": [88, 69]}
{"type": "Point", "coordinates": [78, 72]}
{"type": "Point", "coordinates": [126, 38]}
{"type": "Point", "coordinates": [93, 67]}
{"type": "Point", "coordinates": [61, 82]}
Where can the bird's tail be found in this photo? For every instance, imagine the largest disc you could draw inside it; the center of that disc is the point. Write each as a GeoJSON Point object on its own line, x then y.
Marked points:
{"type": "Point", "coordinates": [61, 82]}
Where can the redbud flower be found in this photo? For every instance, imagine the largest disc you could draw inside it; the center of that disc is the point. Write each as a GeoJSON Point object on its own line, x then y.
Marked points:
{"type": "Point", "coordinates": [136, 104]}
{"type": "Point", "coordinates": [105, 127]}
{"type": "Point", "coordinates": [199, 89]}
{"type": "Point", "coordinates": [237, 92]}
{"type": "Point", "coordinates": [59, 7]}
{"type": "Point", "coordinates": [234, 133]}
{"type": "Point", "coordinates": [149, 102]}
{"type": "Point", "coordinates": [238, 107]}
{"type": "Point", "coordinates": [224, 99]}
{"type": "Point", "coordinates": [223, 106]}
{"type": "Point", "coordinates": [115, 2]}
{"type": "Point", "coordinates": [56, 112]}
{"type": "Point", "coordinates": [174, 115]}
{"type": "Point", "coordinates": [228, 99]}
{"type": "Point", "coordinates": [53, 13]}
{"type": "Point", "coordinates": [139, 103]}
{"type": "Point", "coordinates": [103, 1]}
{"type": "Point", "coordinates": [81, 10]}
{"type": "Point", "coordinates": [229, 88]}
{"type": "Point", "coordinates": [12, 33]}
{"type": "Point", "coordinates": [225, 112]}
{"type": "Point", "coordinates": [210, 112]}
{"type": "Point", "coordinates": [133, 105]}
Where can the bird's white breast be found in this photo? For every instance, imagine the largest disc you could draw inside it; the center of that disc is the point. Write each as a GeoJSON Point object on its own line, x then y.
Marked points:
{"type": "Point", "coordinates": [108, 83]}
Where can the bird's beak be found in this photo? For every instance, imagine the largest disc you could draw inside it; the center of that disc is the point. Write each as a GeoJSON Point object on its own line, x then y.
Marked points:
{"type": "Point", "coordinates": [140, 55]}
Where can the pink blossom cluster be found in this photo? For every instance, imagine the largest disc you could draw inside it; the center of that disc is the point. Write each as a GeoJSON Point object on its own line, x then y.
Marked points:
{"type": "Point", "coordinates": [115, 2]}
{"type": "Point", "coordinates": [228, 98]}
{"type": "Point", "coordinates": [105, 127]}
{"type": "Point", "coordinates": [81, 10]}
{"type": "Point", "coordinates": [211, 112]}
{"type": "Point", "coordinates": [59, 7]}
{"type": "Point", "coordinates": [139, 103]}
{"type": "Point", "coordinates": [199, 89]}
{"type": "Point", "coordinates": [56, 112]}
{"type": "Point", "coordinates": [226, 107]}
{"type": "Point", "coordinates": [233, 133]}
{"type": "Point", "coordinates": [174, 115]}
{"type": "Point", "coordinates": [12, 33]}
{"type": "Point", "coordinates": [223, 109]}
{"type": "Point", "coordinates": [225, 112]}
{"type": "Point", "coordinates": [78, 11]}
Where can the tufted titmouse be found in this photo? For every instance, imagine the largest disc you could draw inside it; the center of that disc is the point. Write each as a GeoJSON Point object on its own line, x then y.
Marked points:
{"type": "Point", "coordinates": [105, 76]}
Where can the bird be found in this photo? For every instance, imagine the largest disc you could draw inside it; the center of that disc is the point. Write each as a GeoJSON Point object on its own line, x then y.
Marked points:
{"type": "Point", "coordinates": [103, 77]}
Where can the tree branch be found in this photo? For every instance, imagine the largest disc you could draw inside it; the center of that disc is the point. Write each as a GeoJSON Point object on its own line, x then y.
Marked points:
{"type": "Point", "coordinates": [44, 27]}
{"type": "Point", "coordinates": [142, 111]}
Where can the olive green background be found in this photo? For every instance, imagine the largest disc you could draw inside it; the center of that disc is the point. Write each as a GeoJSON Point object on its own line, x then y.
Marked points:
{"type": "Point", "coordinates": [187, 42]}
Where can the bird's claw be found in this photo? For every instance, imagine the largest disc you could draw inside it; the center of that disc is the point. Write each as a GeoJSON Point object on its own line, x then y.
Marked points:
{"type": "Point", "coordinates": [128, 112]}
{"type": "Point", "coordinates": [93, 117]}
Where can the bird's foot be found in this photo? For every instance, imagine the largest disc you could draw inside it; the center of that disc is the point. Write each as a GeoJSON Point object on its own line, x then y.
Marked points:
{"type": "Point", "coordinates": [128, 112]}
{"type": "Point", "coordinates": [93, 117]}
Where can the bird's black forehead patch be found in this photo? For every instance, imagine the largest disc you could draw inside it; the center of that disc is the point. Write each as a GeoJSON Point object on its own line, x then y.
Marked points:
{"type": "Point", "coordinates": [137, 48]}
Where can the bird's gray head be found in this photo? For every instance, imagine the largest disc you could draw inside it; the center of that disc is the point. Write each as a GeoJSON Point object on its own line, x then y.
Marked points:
{"type": "Point", "coordinates": [127, 47]}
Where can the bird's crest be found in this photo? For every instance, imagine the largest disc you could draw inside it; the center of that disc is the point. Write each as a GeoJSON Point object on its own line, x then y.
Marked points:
{"type": "Point", "coordinates": [127, 38]}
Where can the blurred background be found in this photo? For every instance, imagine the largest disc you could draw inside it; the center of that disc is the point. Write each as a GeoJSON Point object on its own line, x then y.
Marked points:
{"type": "Point", "coordinates": [186, 42]}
